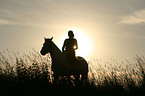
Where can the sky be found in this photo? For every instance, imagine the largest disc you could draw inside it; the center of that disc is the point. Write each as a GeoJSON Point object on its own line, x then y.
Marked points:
{"type": "Point", "coordinates": [104, 28]}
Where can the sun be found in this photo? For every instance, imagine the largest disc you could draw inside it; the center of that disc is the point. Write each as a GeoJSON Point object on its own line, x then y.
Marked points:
{"type": "Point", "coordinates": [85, 46]}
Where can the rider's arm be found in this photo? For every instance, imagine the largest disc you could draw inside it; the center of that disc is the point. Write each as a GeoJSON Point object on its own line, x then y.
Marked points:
{"type": "Point", "coordinates": [64, 46]}
{"type": "Point", "coordinates": [76, 44]}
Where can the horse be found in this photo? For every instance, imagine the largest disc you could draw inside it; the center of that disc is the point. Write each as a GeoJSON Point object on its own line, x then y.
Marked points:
{"type": "Point", "coordinates": [60, 65]}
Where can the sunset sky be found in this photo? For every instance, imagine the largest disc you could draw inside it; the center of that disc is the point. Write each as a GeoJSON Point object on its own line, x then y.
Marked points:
{"type": "Point", "coordinates": [104, 28]}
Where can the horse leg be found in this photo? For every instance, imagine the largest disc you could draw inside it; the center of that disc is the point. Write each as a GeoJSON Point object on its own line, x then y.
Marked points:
{"type": "Point", "coordinates": [77, 81]}
{"type": "Point", "coordinates": [84, 78]}
{"type": "Point", "coordinates": [55, 78]}
{"type": "Point", "coordinates": [68, 79]}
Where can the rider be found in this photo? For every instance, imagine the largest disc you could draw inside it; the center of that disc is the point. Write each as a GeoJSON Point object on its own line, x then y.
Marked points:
{"type": "Point", "coordinates": [69, 46]}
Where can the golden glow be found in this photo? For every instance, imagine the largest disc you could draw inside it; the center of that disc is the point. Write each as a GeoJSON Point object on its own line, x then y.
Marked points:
{"type": "Point", "coordinates": [74, 47]}
{"type": "Point", "coordinates": [85, 46]}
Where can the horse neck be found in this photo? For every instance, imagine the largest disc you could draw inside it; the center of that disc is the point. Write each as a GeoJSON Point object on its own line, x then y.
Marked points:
{"type": "Point", "coordinates": [55, 49]}
{"type": "Point", "coordinates": [57, 56]}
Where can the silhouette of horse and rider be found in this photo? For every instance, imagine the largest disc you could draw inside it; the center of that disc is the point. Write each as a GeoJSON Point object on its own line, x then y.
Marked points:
{"type": "Point", "coordinates": [65, 63]}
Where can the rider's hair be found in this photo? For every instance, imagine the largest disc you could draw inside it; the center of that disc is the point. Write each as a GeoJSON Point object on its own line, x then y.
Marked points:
{"type": "Point", "coordinates": [70, 33]}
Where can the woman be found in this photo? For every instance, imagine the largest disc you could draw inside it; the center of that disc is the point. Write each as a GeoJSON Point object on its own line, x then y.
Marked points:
{"type": "Point", "coordinates": [69, 46]}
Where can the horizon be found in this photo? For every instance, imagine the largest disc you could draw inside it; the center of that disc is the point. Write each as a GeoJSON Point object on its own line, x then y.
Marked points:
{"type": "Point", "coordinates": [111, 29]}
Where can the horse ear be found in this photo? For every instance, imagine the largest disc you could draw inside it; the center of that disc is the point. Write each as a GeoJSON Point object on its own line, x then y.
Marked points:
{"type": "Point", "coordinates": [51, 38]}
{"type": "Point", "coordinates": [44, 39]}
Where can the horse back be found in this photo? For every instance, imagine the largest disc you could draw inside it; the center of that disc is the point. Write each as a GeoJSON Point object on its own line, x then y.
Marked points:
{"type": "Point", "coordinates": [62, 66]}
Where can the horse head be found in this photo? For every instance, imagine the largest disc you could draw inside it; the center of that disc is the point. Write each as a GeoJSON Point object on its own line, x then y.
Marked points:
{"type": "Point", "coordinates": [46, 46]}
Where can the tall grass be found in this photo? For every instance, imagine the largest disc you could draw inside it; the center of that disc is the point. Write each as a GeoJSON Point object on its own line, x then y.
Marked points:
{"type": "Point", "coordinates": [24, 72]}
{"type": "Point", "coordinates": [30, 74]}
{"type": "Point", "coordinates": [124, 78]}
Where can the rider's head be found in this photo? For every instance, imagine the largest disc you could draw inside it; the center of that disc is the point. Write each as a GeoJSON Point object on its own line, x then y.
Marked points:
{"type": "Point", "coordinates": [70, 34]}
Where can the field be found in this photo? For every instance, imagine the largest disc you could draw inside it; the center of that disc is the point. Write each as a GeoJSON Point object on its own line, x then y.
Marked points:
{"type": "Point", "coordinates": [30, 74]}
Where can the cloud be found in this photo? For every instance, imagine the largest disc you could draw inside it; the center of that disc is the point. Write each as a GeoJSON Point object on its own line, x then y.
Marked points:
{"type": "Point", "coordinates": [136, 17]}
{"type": "Point", "coordinates": [6, 22]}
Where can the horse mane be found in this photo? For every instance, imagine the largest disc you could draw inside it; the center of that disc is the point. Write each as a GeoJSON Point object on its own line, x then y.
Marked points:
{"type": "Point", "coordinates": [55, 48]}
{"type": "Point", "coordinates": [59, 61]}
